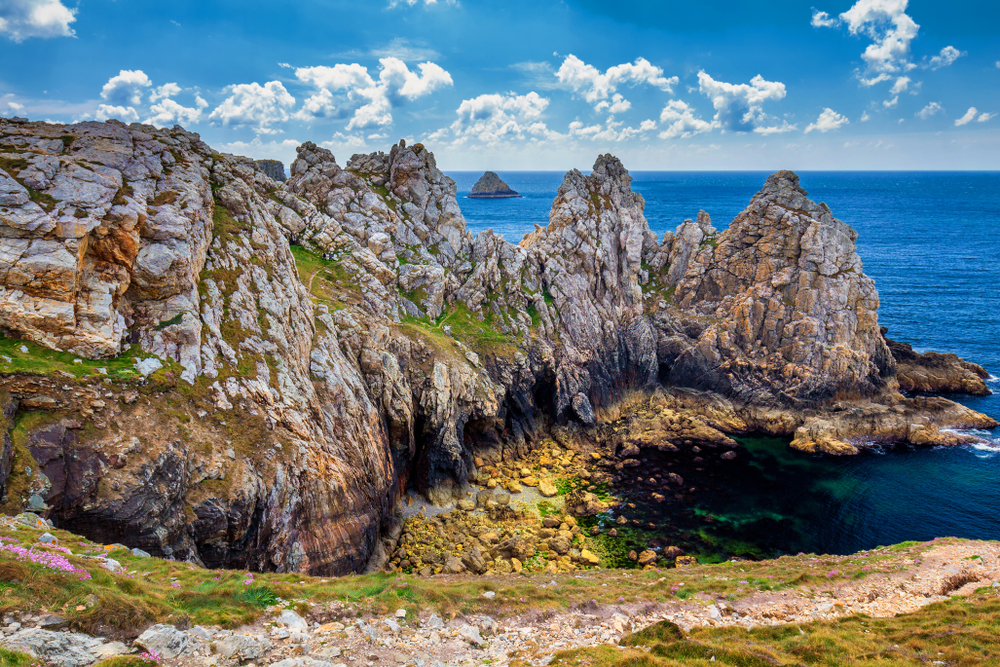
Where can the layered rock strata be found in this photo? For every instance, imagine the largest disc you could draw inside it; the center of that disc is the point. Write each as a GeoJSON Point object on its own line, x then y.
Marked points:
{"type": "Point", "coordinates": [330, 340]}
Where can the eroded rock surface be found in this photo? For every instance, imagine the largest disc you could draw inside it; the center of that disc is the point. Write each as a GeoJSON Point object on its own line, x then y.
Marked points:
{"type": "Point", "coordinates": [328, 341]}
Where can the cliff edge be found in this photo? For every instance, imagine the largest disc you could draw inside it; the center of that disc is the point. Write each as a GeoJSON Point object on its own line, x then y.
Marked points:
{"type": "Point", "coordinates": [213, 365]}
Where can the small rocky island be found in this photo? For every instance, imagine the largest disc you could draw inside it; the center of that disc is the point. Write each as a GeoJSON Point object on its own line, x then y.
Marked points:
{"type": "Point", "coordinates": [491, 186]}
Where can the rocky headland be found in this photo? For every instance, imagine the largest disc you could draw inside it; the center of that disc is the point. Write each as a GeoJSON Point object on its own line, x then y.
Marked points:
{"type": "Point", "coordinates": [491, 186]}
{"type": "Point", "coordinates": [215, 366]}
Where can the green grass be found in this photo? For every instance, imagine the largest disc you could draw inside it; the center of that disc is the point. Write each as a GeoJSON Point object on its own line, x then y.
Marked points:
{"type": "Point", "coordinates": [483, 336]}
{"type": "Point", "coordinates": [15, 659]}
{"type": "Point", "coordinates": [957, 632]}
{"type": "Point", "coordinates": [329, 281]}
{"type": "Point", "coordinates": [40, 360]}
{"type": "Point", "coordinates": [157, 590]}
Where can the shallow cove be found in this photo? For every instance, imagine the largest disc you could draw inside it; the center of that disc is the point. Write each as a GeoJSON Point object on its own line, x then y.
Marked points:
{"type": "Point", "coordinates": [929, 241]}
{"type": "Point", "coordinates": [772, 500]}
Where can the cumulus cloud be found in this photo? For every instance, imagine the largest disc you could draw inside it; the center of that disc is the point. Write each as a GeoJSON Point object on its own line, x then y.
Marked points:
{"type": "Point", "coordinates": [23, 19]}
{"type": "Point", "coordinates": [865, 117]}
{"type": "Point", "coordinates": [948, 55]}
{"type": "Point", "coordinates": [164, 91]}
{"type": "Point", "coordinates": [495, 118]}
{"type": "Point", "coordinates": [595, 86]}
{"type": "Point", "coordinates": [827, 121]}
{"type": "Point", "coordinates": [122, 113]}
{"type": "Point", "coordinates": [126, 88]}
{"type": "Point", "coordinates": [891, 104]}
{"type": "Point", "coordinates": [350, 91]}
{"type": "Point", "coordinates": [681, 122]}
{"type": "Point", "coordinates": [886, 23]}
{"type": "Point", "coordinates": [618, 104]}
{"type": "Point", "coordinates": [168, 112]}
{"type": "Point", "coordinates": [256, 106]}
{"type": "Point", "coordinates": [931, 109]}
{"type": "Point", "coordinates": [901, 85]}
{"type": "Point", "coordinates": [822, 20]}
{"type": "Point", "coordinates": [983, 117]}
{"type": "Point", "coordinates": [612, 130]}
{"type": "Point", "coordinates": [739, 107]}
{"type": "Point", "coordinates": [969, 116]}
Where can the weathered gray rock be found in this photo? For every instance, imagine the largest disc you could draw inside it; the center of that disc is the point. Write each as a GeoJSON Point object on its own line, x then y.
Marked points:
{"type": "Point", "coordinates": [243, 647]}
{"type": "Point", "coordinates": [164, 640]}
{"type": "Point", "coordinates": [63, 649]}
{"type": "Point", "coordinates": [292, 621]}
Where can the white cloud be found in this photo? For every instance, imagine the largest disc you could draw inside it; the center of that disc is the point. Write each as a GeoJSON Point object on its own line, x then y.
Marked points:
{"type": "Point", "coordinates": [827, 121]}
{"type": "Point", "coordinates": [367, 102]}
{"type": "Point", "coordinates": [495, 118]}
{"type": "Point", "coordinates": [967, 118]}
{"type": "Point", "coordinates": [612, 131]}
{"type": "Point", "coordinates": [126, 88]}
{"type": "Point", "coordinates": [681, 121]}
{"type": "Point", "coordinates": [901, 85]}
{"type": "Point", "coordinates": [122, 113]}
{"type": "Point", "coordinates": [164, 91]}
{"type": "Point", "coordinates": [259, 150]}
{"type": "Point", "coordinates": [948, 55]}
{"type": "Point", "coordinates": [823, 20]}
{"type": "Point", "coordinates": [868, 83]}
{"type": "Point", "coordinates": [346, 141]}
{"type": "Point", "coordinates": [886, 23]}
{"type": "Point", "coordinates": [776, 129]}
{"type": "Point", "coordinates": [891, 104]}
{"type": "Point", "coordinates": [256, 106]}
{"type": "Point", "coordinates": [983, 117]}
{"type": "Point", "coordinates": [595, 86]}
{"type": "Point", "coordinates": [739, 107]}
{"type": "Point", "coordinates": [428, 3]}
{"type": "Point", "coordinates": [618, 104]}
{"type": "Point", "coordinates": [169, 112]}
{"type": "Point", "coordinates": [931, 109]}
{"type": "Point", "coordinates": [865, 117]}
{"type": "Point", "coordinates": [23, 19]}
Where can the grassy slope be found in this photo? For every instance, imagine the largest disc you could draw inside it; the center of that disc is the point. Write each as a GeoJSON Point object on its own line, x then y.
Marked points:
{"type": "Point", "coordinates": [960, 631]}
{"type": "Point", "coordinates": [156, 590]}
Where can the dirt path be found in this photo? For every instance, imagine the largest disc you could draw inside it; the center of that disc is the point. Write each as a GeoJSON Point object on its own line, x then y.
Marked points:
{"type": "Point", "coordinates": [951, 568]}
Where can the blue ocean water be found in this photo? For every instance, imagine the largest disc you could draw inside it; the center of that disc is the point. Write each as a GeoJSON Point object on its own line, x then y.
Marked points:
{"type": "Point", "coordinates": [930, 241]}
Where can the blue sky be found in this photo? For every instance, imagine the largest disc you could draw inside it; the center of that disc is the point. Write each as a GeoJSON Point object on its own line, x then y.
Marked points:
{"type": "Point", "coordinates": [529, 84]}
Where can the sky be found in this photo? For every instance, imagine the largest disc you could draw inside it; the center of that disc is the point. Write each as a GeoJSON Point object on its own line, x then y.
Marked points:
{"type": "Point", "coordinates": [529, 84]}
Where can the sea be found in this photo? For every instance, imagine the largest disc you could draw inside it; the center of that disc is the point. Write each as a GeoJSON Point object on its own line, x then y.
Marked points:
{"type": "Point", "coordinates": [931, 241]}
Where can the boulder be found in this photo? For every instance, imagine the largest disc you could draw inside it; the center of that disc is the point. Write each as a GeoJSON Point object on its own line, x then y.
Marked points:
{"type": "Point", "coordinates": [63, 649]}
{"type": "Point", "coordinates": [583, 503]}
{"type": "Point", "coordinates": [164, 640]}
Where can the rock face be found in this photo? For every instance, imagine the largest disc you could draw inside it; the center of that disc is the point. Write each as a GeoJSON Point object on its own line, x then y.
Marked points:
{"type": "Point", "coordinates": [936, 373]}
{"type": "Point", "coordinates": [328, 341]}
{"type": "Point", "coordinates": [273, 169]}
{"type": "Point", "coordinates": [491, 186]}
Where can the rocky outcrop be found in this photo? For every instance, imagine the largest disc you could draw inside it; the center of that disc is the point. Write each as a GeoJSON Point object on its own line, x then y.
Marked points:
{"type": "Point", "coordinates": [936, 373]}
{"type": "Point", "coordinates": [328, 341]}
{"type": "Point", "coordinates": [491, 186]}
{"type": "Point", "coordinates": [273, 169]}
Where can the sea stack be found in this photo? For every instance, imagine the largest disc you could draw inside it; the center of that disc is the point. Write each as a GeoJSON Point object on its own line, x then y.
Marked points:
{"type": "Point", "coordinates": [491, 186]}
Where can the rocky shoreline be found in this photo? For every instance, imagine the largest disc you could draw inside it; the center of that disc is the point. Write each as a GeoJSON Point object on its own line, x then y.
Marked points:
{"type": "Point", "coordinates": [309, 350]}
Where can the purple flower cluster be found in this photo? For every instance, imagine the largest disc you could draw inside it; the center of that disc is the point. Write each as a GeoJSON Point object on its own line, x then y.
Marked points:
{"type": "Point", "coordinates": [150, 656]}
{"type": "Point", "coordinates": [249, 580]}
{"type": "Point", "coordinates": [47, 559]}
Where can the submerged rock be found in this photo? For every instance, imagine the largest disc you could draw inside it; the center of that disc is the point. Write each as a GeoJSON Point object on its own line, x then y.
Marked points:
{"type": "Point", "coordinates": [491, 186]}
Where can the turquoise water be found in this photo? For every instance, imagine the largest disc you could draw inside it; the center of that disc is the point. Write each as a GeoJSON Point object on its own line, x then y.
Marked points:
{"type": "Point", "coordinates": [930, 241]}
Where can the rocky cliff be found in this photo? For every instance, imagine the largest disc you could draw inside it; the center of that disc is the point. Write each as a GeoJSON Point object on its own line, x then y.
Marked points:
{"type": "Point", "coordinates": [305, 350]}
{"type": "Point", "coordinates": [272, 168]}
